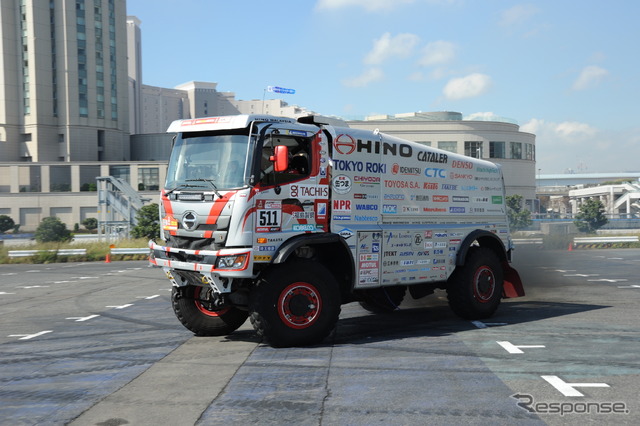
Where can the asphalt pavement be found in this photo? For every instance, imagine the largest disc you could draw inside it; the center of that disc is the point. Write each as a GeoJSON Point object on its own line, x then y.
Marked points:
{"type": "Point", "coordinates": [98, 344]}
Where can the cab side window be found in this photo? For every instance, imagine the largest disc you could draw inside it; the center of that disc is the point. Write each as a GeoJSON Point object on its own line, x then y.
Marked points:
{"type": "Point", "coordinates": [299, 160]}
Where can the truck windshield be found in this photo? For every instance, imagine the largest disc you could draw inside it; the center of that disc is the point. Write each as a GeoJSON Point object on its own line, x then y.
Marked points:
{"type": "Point", "coordinates": [217, 158]}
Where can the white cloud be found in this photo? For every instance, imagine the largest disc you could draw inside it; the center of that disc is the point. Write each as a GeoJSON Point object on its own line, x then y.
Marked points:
{"type": "Point", "coordinates": [517, 15]}
{"type": "Point", "coordinates": [467, 87]}
{"type": "Point", "coordinates": [387, 47]}
{"type": "Point", "coordinates": [369, 5]}
{"type": "Point", "coordinates": [369, 76]}
{"type": "Point", "coordinates": [574, 129]}
{"type": "Point", "coordinates": [589, 77]}
{"type": "Point", "coordinates": [437, 53]}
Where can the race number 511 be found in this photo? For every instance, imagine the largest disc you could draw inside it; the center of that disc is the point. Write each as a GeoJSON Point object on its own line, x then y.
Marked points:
{"type": "Point", "coordinates": [269, 217]}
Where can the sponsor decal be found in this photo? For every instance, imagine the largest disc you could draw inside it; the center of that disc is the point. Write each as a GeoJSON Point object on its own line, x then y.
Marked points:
{"type": "Point", "coordinates": [303, 215]}
{"type": "Point", "coordinates": [457, 164]}
{"type": "Point", "coordinates": [456, 210]}
{"type": "Point", "coordinates": [496, 199]}
{"type": "Point", "coordinates": [304, 227]}
{"type": "Point", "coordinates": [440, 198]}
{"type": "Point", "coordinates": [369, 207]}
{"type": "Point", "coordinates": [428, 234]}
{"type": "Point", "coordinates": [432, 172]}
{"type": "Point", "coordinates": [169, 223]}
{"type": "Point", "coordinates": [468, 188]}
{"type": "Point", "coordinates": [341, 217]}
{"type": "Point", "coordinates": [342, 205]}
{"type": "Point", "coordinates": [389, 209]}
{"type": "Point", "coordinates": [398, 197]}
{"type": "Point", "coordinates": [344, 144]}
{"type": "Point", "coordinates": [449, 187]}
{"type": "Point", "coordinates": [261, 258]}
{"type": "Point", "coordinates": [321, 210]}
{"type": "Point", "coordinates": [490, 188]}
{"type": "Point", "coordinates": [410, 209]}
{"type": "Point", "coordinates": [476, 210]}
{"type": "Point", "coordinates": [433, 210]}
{"type": "Point", "coordinates": [346, 233]}
{"type": "Point", "coordinates": [361, 218]}
{"type": "Point", "coordinates": [487, 169]}
{"type": "Point", "coordinates": [429, 185]}
{"type": "Point", "coordinates": [367, 180]}
{"type": "Point", "coordinates": [348, 165]}
{"type": "Point", "coordinates": [402, 184]}
{"type": "Point", "coordinates": [308, 191]}
{"type": "Point", "coordinates": [419, 198]}
{"type": "Point", "coordinates": [460, 199]}
{"type": "Point", "coordinates": [267, 248]}
{"type": "Point", "coordinates": [454, 175]}
{"type": "Point", "coordinates": [342, 184]}
{"type": "Point", "coordinates": [404, 170]}
{"type": "Point", "coordinates": [481, 199]}
{"type": "Point", "coordinates": [432, 157]}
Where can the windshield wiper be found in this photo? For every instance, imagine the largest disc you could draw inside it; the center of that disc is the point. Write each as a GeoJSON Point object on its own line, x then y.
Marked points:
{"type": "Point", "coordinates": [183, 186]}
{"type": "Point", "coordinates": [210, 182]}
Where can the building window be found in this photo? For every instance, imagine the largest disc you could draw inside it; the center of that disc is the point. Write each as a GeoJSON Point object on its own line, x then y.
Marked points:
{"type": "Point", "coordinates": [496, 150]}
{"type": "Point", "coordinates": [122, 172]}
{"type": "Point", "coordinates": [425, 143]}
{"type": "Point", "coordinates": [450, 146]}
{"type": "Point", "coordinates": [29, 178]}
{"type": "Point", "coordinates": [516, 150]}
{"type": "Point", "coordinates": [528, 152]}
{"type": "Point", "coordinates": [60, 178]}
{"type": "Point", "coordinates": [148, 179]}
{"type": "Point", "coordinates": [473, 149]}
{"type": "Point", "coordinates": [88, 176]}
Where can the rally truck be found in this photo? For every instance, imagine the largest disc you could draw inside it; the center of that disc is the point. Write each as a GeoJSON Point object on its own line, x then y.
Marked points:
{"type": "Point", "coordinates": [284, 220]}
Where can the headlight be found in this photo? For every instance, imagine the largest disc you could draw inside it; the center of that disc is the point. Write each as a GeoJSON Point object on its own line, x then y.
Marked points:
{"type": "Point", "coordinates": [236, 261]}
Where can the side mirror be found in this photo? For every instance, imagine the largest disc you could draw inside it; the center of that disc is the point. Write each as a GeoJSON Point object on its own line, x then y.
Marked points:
{"type": "Point", "coordinates": [280, 159]}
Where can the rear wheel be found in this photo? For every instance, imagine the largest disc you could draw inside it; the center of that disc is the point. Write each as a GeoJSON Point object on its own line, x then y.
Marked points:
{"type": "Point", "coordinates": [295, 304]}
{"type": "Point", "coordinates": [474, 290]}
{"type": "Point", "coordinates": [381, 300]}
{"type": "Point", "coordinates": [194, 307]}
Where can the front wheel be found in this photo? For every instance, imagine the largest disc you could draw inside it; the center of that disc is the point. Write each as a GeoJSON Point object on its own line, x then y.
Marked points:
{"type": "Point", "coordinates": [295, 304]}
{"type": "Point", "coordinates": [474, 290]}
{"type": "Point", "coordinates": [194, 307]}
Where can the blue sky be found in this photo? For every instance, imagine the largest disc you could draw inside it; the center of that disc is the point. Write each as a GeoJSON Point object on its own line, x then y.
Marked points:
{"type": "Point", "coordinates": [566, 71]}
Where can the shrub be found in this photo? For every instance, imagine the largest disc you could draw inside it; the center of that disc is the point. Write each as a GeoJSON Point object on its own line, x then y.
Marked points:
{"type": "Point", "coordinates": [52, 229]}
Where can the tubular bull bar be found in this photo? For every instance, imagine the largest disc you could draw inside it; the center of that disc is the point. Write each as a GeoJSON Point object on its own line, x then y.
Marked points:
{"type": "Point", "coordinates": [216, 268]}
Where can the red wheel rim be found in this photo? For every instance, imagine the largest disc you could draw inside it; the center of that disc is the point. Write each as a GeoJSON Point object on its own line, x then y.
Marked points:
{"type": "Point", "coordinates": [484, 284]}
{"type": "Point", "coordinates": [202, 308]}
{"type": "Point", "coordinates": [299, 305]}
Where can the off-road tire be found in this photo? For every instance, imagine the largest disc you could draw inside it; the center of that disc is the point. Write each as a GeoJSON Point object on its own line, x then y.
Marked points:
{"type": "Point", "coordinates": [474, 289]}
{"type": "Point", "coordinates": [295, 304]}
{"type": "Point", "coordinates": [189, 305]}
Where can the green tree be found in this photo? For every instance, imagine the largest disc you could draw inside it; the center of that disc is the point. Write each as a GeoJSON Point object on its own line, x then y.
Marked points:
{"type": "Point", "coordinates": [591, 216]}
{"type": "Point", "coordinates": [52, 229]}
{"type": "Point", "coordinates": [148, 222]}
{"type": "Point", "coordinates": [6, 223]}
{"type": "Point", "coordinates": [90, 223]}
{"type": "Point", "coordinates": [519, 218]}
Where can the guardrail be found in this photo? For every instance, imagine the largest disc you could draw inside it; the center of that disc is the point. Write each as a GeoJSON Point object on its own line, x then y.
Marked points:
{"type": "Point", "coordinates": [61, 252]}
{"type": "Point", "coordinates": [599, 240]}
{"type": "Point", "coordinates": [76, 252]}
{"type": "Point", "coordinates": [584, 240]}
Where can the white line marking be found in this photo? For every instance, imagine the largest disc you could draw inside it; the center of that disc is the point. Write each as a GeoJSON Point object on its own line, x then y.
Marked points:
{"type": "Point", "coordinates": [565, 270]}
{"type": "Point", "coordinates": [609, 280]}
{"type": "Point", "coordinates": [615, 258]}
{"type": "Point", "coordinates": [85, 278]}
{"type": "Point", "coordinates": [82, 319]}
{"type": "Point", "coordinates": [121, 306]}
{"type": "Point", "coordinates": [513, 349]}
{"type": "Point", "coordinates": [9, 273]}
{"type": "Point", "coordinates": [629, 286]}
{"type": "Point", "coordinates": [581, 275]}
{"type": "Point", "coordinates": [567, 389]}
{"type": "Point", "coordinates": [4, 292]}
{"type": "Point", "coordinates": [30, 336]}
{"type": "Point", "coordinates": [34, 286]}
{"type": "Point", "coordinates": [148, 297]}
{"type": "Point", "coordinates": [479, 324]}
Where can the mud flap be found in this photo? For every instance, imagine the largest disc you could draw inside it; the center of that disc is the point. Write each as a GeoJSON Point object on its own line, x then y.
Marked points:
{"type": "Point", "coordinates": [512, 286]}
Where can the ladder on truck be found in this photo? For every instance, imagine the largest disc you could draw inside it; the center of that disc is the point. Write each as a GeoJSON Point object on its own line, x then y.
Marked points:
{"type": "Point", "coordinates": [118, 205]}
